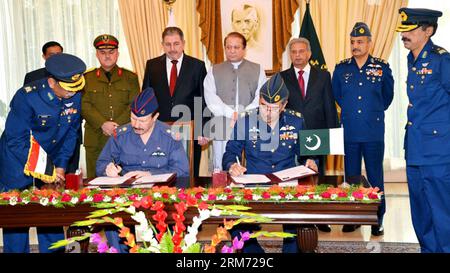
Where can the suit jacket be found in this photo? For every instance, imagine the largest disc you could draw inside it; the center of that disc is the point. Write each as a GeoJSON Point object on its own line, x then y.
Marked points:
{"type": "Point", "coordinates": [318, 108]}
{"type": "Point", "coordinates": [35, 75]}
{"type": "Point", "coordinates": [189, 85]}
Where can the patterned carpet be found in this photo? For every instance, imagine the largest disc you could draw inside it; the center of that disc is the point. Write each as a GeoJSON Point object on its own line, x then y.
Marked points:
{"type": "Point", "coordinates": [328, 247]}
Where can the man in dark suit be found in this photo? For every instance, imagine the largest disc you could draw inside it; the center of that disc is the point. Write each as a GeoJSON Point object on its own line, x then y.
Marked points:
{"type": "Point", "coordinates": [310, 93]}
{"type": "Point", "coordinates": [177, 80]}
{"type": "Point", "coordinates": [49, 49]}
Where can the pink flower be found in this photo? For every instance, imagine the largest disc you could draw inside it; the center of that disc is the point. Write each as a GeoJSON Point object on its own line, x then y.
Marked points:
{"type": "Point", "coordinates": [358, 195]}
{"type": "Point", "coordinates": [133, 197]}
{"type": "Point", "coordinates": [96, 238]}
{"type": "Point", "coordinates": [66, 198]}
{"type": "Point", "coordinates": [212, 197]}
{"type": "Point", "coordinates": [198, 195]}
{"type": "Point", "coordinates": [266, 195]}
{"type": "Point", "coordinates": [98, 197]}
{"type": "Point", "coordinates": [230, 197]}
{"type": "Point", "coordinates": [245, 236]}
{"type": "Point", "coordinates": [182, 196]}
{"type": "Point", "coordinates": [326, 195]}
{"type": "Point", "coordinates": [113, 250]}
{"type": "Point", "coordinates": [238, 244]}
{"type": "Point", "coordinates": [373, 195]}
{"type": "Point", "coordinates": [227, 249]}
{"type": "Point", "coordinates": [342, 194]}
{"type": "Point", "coordinates": [102, 247]}
{"type": "Point", "coordinates": [227, 190]}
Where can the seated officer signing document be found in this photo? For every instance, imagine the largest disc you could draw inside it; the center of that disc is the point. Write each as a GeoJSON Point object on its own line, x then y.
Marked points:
{"type": "Point", "coordinates": [143, 147]}
{"type": "Point", "coordinates": [269, 137]}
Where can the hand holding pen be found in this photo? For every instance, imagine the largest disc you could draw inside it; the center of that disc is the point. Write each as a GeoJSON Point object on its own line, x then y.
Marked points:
{"type": "Point", "coordinates": [113, 169]}
{"type": "Point", "coordinates": [237, 169]}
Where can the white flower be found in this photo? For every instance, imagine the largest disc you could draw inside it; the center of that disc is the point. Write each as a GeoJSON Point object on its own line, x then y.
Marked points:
{"type": "Point", "coordinates": [119, 200]}
{"type": "Point", "coordinates": [107, 199]}
{"type": "Point", "coordinates": [190, 239]}
{"type": "Point", "coordinates": [140, 218]}
{"type": "Point", "coordinates": [74, 200]}
{"type": "Point", "coordinates": [205, 197]}
{"type": "Point", "coordinates": [289, 196]}
{"type": "Point", "coordinates": [351, 198]}
{"type": "Point", "coordinates": [256, 197]}
{"type": "Point", "coordinates": [366, 198]}
{"type": "Point", "coordinates": [303, 198]}
{"type": "Point", "coordinates": [237, 198]}
{"type": "Point", "coordinates": [157, 195]}
{"type": "Point", "coordinates": [55, 201]}
{"type": "Point", "coordinates": [379, 195]}
{"type": "Point", "coordinates": [333, 196]}
{"type": "Point", "coordinates": [13, 201]}
{"type": "Point", "coordinates": [43, 201]}
{"type": "Point", "coordinates": [25, 201]}
{"type": "Point", "coordinates": [222, 197]}
{"type": "Point", "coordinates": [173, 197]}
{"type": "Point", "coordinates": [317, 197]}
{"type": "Point", "coordinates": [216, 212]}
{"type": "Point", "coordinates": [276, 197]}
{"type": "Point", "coordinates": [88, 199]}
{"type": "Point", "coordinates": [204, 214]}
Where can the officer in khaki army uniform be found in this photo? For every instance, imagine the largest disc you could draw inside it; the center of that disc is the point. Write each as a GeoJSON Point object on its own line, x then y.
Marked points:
{"type": "Point", "coordinates": [427, 137]}
{"type": "Point", "coordinates": [269, 137]}
{"type": "Point", "coordinates": [363, 87]}
{"type": "Point", "coordinates": [106, 100]}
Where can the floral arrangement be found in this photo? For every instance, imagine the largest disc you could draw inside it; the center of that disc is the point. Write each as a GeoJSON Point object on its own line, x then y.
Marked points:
{"type": "Point", "coordinates": [160, 239]}
{"type": "Point", "coordinates": [97, 197]}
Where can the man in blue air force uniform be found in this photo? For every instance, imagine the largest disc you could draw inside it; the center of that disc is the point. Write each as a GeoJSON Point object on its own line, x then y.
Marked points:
{"type": "Point", "coordinates": [427, 138]}
{"type": "Point", "coordinates": [363, 87]}
{"type": "Point", "coordinates": [269, 137]}
{"type": "Point", "coordinates": [49, 109]}
{"type": "Point", "coordinates": [141, 148]}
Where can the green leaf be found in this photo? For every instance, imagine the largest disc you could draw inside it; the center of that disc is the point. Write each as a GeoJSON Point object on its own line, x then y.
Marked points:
{"type": "Point", "coordinates": [88, 223]}
{"type": "Point", "coordinates": [166, 243]}
{"type": "Point", "coordinates": [62, 243]}
{"type": "Point", "coordinates": [101, 213]}
{"type": "Point", "coordinates": [195, 248]}
{"type": "Point", "coordinates": [272, 234]}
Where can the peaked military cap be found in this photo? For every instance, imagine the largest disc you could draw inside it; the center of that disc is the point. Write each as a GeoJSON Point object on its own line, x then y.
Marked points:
{"type": "Point", "coordinates": [414, 18]}
{"type": "Point", "coordinates": [145, 103]}
{"type": "Point", "coordinates": [106, 41]}
{"type": "Point", "coordinates": [68, 70]}
{"type": "Point", "coordinates": [360, 29]}
{"type": "Point", "coordinates": [274, 90]}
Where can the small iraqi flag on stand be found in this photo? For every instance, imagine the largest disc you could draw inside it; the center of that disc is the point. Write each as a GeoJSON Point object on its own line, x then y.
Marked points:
{"type": "Point", "coordinates": [322, 142]}
{"type": "Point", "coordinates": [39, 164]}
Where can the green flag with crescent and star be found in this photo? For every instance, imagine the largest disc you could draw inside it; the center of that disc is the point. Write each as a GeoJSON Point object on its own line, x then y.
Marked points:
{"type": "Point", "coordinates": [322, 142]}
{"type": "Point", "coordinates": [308, 31]}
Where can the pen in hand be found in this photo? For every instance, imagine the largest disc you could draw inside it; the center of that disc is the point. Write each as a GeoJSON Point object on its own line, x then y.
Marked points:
{"type": "Point", "coordinates": [238, 162]}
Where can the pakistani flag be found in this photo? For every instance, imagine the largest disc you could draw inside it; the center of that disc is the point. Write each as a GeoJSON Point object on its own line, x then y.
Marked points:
{"type": "Point", "coordinates": [308, 31]}
{"type": "Point", "coordinates": [322, 142]}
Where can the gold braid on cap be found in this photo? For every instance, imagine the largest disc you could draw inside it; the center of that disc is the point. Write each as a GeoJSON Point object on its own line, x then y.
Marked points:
{"type": "Point", "coordinates": [73, 86]}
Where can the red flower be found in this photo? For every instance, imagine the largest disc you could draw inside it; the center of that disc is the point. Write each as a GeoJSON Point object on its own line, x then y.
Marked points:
{"type": "Point", "coordinates": [176, 239]}
{"type": "Point", "coordinates": [203, 206]}
{"type": "Point", "coordinates": [297, 195]}
{"type": "Point", "coordinates": [266, 195]}
{"type": "Point", "coordinates": [133, 197]}
{"type": "Point", "coordinates": [66, 197]}
{"type": "Point", "coordinates": [180, 207]}
{"type": "Point", "coordinates": [33, 198]}
{"type": "Point", "coordinates": [158, 205]}
{"type": "Point", "coordinates": [165, 196]}
{"type": "Point", "coordinates": [161, 215]}
{"type": "Point", "coordinates": [161, 227]}
{"type": "Point", "coordinates": [373, 195]}
{"type": "Point", "coordinates": [179, 227]}
{"type": "Point", "coordinates": [227, 190]}
{"type": "Point", "coordinates": [212, 197]}
{"type": "Point", "coordinates": [178, 217]}
{"type": "Point", "coordinates": [198, 195]}
{"type": "Point", "coordinates": [182, 196]}
{"type": "Point", "coordinates": [177, 249]}
{"type": "Point", "coordinates": [230, 197]}
{"type": "Point", "coordinates": [326, 195]}
{"type": "Point", "coordinates": [83, 197]}
{"type": "Point", "coordinates": [98, 197]}
{"type": "Point", "coordinates": [358, 195]}
{"type": "Point", "coordinates": [191, 201]}
{"type": "Point", "coordinates": [311, 196]}
{"type": "Point", "coordinates": [248, 197]}
{"type": "Point", "coordinates": [282, 194]}
{"type": "Point", "coordinates": [146, 202]}
{"type": "Point", "coordinates": [342, 194]}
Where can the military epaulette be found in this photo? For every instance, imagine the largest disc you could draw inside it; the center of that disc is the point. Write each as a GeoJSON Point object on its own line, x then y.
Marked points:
{"type": "Point", "coordinates": [439, 50]}
{"type": "Point", "coordinates": [170, 133]}
{"type": "Point", "coordinates": [123, 129]}
{"type": "Point", "coordinates": [128, 70]}
{"type": "Point", "coordinates": [90, 70]}
{"type": "Point", "coordinates": [29, 88]}
{"type": "Point", "coordinates": [293, 113]}
{"type": "Point", "coordinates": [380, 60]}
{"type": "Point", "coordinates": [348, 60]}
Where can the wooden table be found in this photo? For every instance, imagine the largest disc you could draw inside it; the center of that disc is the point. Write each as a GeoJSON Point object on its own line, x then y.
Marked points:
{"type": "Point", "coordinates": [306, 214]}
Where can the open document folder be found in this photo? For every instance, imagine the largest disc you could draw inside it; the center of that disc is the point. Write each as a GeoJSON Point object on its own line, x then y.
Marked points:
{"type": "Point", "coordinates": [124, 181]}
{"type": "Point", "coordinates": [277, 177]}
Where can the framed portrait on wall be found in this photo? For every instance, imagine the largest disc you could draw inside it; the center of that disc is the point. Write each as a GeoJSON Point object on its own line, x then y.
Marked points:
{"type": "Point", "coordinates": [253, 19]}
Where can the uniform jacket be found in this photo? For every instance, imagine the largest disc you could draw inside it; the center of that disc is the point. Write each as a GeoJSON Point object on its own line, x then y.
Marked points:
{"type": "Point", "coordinates": [54, 123]}
{"type": "Point", "coordinates": [266, 150]}
{"type": "Point", "coordinates": [427, 138]}
{"type": "Point", "coordinates": [161, 154]}
{"type": "Point", "coordinates": [363, 95]}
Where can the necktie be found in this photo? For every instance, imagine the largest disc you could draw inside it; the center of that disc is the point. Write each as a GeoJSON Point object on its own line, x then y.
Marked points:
{"type": "Point", "coordinates": [108, 75]}
{"type": "Point", "coordinates": [173, 77]}
{"type": "Point", "coordinates": [301, 83]}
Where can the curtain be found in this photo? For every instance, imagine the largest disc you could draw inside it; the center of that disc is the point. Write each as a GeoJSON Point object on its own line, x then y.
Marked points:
{"type": "Point", "coordinates": [340, 16]}
{"type": "Point", "coordinates": [25, 25]}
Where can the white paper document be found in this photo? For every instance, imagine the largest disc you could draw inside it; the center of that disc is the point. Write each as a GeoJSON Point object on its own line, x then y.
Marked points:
{"type": "Point", "coordinates": [251, 179]}
{"type": "Point", "coordinates": [108, 181]}
{"type": "Point", "coordinates": [295, 172]}
{"type": "Point", "coordinates": [159, 178]}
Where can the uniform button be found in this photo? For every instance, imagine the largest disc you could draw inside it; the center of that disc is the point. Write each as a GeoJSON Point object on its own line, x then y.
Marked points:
{"type": "Point", "coordinates": [110, 84]}
{"type": "Point", "coordinates": [360, 71]}
{"type": "Point", "coordinates": [143, 162]}
{"type": "Point", "coordinates": [359, 98]}
{"type": "Point", "coordinates": [360, 84]}
{"type": "Point", "coordinates": [410, 105]}
{"type": "Point", "coordinates": [145, 150]}
{"type": "Point", "coordinates": [110, 107]}
{"type": "Point", "coordinates": [110, 95]}
{"type": "Point", "coordinates": [434, 132]}
{"type": "Point", "coordinates": [110, 119]}
{"type": "Point", "coordinates": [410, 123]}
{"type": "Point", "coordinates": [59, 125]}
{"type": "Point", "coordinates": [359, 111]}
{"type": "Point", "coordinates": [54, 141]}
{"type": "Point", "coordinates": [411, 87]}
{"type": "Point", "coordinates": [273, 151]}
{"type": "Point", "coordinates": [414, 69]}
{"type": "Point", "coordinates": [378, 119]}
{"type": "Point", "coordinates": [273, 166]}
